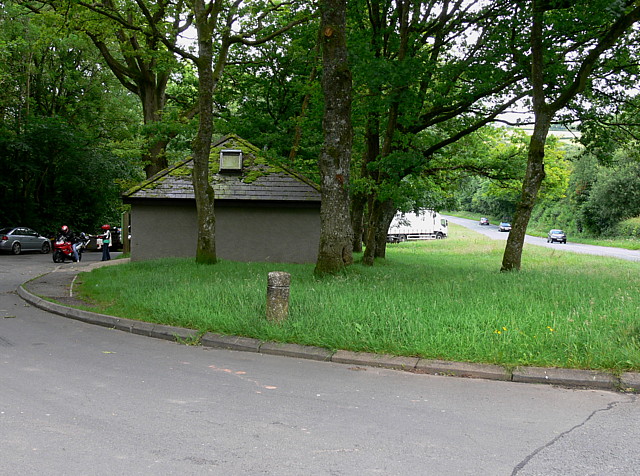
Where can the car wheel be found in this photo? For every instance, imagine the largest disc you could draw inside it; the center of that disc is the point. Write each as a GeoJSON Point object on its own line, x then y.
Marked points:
{"type": "Point", "coordinates": [46, 248]}
{"type": "Point", "coordinates": [16, 248]}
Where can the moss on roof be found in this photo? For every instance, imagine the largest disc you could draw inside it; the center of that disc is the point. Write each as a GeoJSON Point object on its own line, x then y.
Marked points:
{"type": "Point", "coordinates": [254, 167]}
{"type": "Point", "coordinates": [157, 179]}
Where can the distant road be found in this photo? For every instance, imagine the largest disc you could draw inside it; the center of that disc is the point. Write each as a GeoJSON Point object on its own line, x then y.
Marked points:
{"type": "Point", "coordinates": [492, 232]}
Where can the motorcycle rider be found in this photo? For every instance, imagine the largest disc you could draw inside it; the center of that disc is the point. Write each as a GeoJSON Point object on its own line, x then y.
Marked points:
{"type": "Point", "coordinates": [67, 235]}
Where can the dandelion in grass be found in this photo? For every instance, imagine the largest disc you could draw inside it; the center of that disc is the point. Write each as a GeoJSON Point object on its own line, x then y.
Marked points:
{"type": "Point", "coordinates": [551, 329]}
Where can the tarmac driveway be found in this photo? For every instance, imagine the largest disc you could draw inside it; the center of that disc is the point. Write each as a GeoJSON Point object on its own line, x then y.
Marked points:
{"type": "Point", "coordinates": [78, 399]}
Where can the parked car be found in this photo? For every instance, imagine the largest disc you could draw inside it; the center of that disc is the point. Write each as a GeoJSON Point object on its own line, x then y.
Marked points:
{"type": "Point", "coordinates": [504, 226]}
{"type": "Point", "coordinates": [18, 239]}
{"type": "Point", "coordinates": [484, 221]}
{"type": "Point", "coordinates": [556, 235]}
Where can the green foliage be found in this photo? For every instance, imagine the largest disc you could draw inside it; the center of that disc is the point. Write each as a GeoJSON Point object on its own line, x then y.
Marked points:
{"type": "Point", "coordinates": [446, 72]}
{"type": "Point", "coordinates": [629, 227]}
{"type": "Point", "coordinates": [53, 173]}
{"type": "Point", "coordinates": [271, 91]}
{"type": "Point", "coordinates": [615, 196]}
{"type": "Point", "coordinates": [600, 196]}
{"type": "Point", "coordinates": [60, 110]}
{"type": "Point", "coordinates": [505, 159]}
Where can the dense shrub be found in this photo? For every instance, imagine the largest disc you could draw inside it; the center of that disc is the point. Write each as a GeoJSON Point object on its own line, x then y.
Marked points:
{"type": "Point", "coordinates": [629, 228]}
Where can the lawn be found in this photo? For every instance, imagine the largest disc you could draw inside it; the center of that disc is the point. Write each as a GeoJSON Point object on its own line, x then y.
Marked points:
{"type": "Point", "coordinates": [443, 299]}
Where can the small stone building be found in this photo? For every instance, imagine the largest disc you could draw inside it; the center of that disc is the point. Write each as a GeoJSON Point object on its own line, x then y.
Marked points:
{"type": "Point", "coordinates": [263, 212]}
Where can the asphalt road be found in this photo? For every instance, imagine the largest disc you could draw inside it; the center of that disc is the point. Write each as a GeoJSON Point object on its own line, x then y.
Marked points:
{"type": "Point", "coordinates": [492, 232]}
{"type": "Point", "coordinates": [77, 399]}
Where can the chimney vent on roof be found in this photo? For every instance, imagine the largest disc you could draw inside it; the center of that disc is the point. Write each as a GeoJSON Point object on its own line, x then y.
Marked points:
{"type": "Point", "coordinates": [230, 160]}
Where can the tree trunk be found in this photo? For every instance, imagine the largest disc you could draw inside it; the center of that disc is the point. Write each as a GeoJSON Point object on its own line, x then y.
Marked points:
{"type": "Point", "coordinates": [370, 242]}
{"type": "Point", "coordinates": [512, 258]}
{"type": "Point", "coordinates": [371, 152]}
{"type": "Point", "coordinates": [386, 217]}
{"type": "Point", "coordinates": [336, 235]}
{"type": "Point", "coordinates": [206, 241]}
{"type": "Point", "coordinates": [138, 73]}
{"type": "Point", "coordinates": [153, 97]}
{"type": "Point", "coordinates": [534, 176]}
{"type": "Point", "coordinates": [155, 159]}
{"type": "Point", "coordinates": [358, 204]}
{"type": "Point", "coordinates": [377, 227]}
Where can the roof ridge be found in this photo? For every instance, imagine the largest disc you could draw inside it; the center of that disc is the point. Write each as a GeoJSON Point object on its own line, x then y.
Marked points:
{"type": "Point", "coordinates": [250, 174]}
{"type": "Point", "coordinates": [156, 177]}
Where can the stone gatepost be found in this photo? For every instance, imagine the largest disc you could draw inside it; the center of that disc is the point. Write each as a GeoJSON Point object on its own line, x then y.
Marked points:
{"type": "Point", "coordinates": [278, 296]}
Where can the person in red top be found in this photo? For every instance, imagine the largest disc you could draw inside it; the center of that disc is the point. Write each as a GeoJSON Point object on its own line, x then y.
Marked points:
{"type": "Point", "coordinates": [106, 242]}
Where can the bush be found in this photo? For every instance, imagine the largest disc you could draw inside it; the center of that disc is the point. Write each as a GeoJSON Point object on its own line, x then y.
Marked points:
{"type": "Point", "coordinates": [629, 228]}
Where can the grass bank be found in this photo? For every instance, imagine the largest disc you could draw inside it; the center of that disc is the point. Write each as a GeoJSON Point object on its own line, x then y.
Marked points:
{"type": "Point", "coordinates": [443, 299]}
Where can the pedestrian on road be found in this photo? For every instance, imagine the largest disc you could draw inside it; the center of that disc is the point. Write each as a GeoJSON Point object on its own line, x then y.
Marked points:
{"type": "Point", "coordinates": [106, 242]}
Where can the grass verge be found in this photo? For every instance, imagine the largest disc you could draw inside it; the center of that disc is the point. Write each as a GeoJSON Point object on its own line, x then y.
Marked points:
{"type": "Point", "coordinates": [443, 299]}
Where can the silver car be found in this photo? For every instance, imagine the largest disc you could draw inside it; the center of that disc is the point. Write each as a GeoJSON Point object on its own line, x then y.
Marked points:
{"type": "Point", "coordinates": [556, 236]}
{"type": "Point", "coordinates": [20, 238]}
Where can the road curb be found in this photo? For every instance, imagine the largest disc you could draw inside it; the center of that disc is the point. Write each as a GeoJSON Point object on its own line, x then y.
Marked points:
{"type": "Point", "coordinates": [464, 369]}
{"type": "Point", "coordinates": [574, 378]}
{"type": "Point", "coordinates": [375, 360]}
{"type": "Point", "coordinates": [569, 377]}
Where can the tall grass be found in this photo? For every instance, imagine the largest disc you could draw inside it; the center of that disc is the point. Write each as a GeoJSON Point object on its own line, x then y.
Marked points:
{"type": "Point", "coordinates": [442, 299]}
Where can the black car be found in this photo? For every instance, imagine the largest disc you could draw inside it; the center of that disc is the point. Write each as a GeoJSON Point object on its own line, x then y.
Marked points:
{"type": "Point", "coordinates": [556, 236]}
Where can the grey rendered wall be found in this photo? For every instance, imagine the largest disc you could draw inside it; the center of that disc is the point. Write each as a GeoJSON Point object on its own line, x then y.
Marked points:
{"type": "Point", "coordinates": [273, 234]}
{"type": "Point", "coordinates": [162, 230]}
{"type": "Point", "coordinates": [277, 235]}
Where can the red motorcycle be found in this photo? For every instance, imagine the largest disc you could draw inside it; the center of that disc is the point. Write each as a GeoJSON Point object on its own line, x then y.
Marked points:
{"type": "Point", "coordinates": [63, 250]}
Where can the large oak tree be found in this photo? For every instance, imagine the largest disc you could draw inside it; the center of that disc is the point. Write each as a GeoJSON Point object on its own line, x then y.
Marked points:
{"type": "Point", "coordinates": [568, 43]}
{"type": "Point", "coordinates": [124, 34]}
{"type": "Point", "coordinates": [429, 73]}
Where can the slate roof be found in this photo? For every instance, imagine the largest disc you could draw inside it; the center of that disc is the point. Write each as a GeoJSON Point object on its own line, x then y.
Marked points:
{"type": "Point", "coordinates": [257, 181]}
